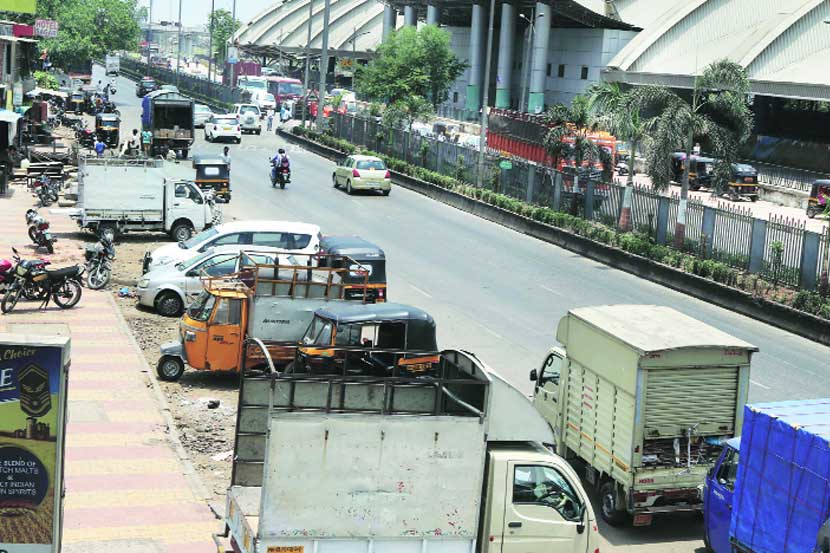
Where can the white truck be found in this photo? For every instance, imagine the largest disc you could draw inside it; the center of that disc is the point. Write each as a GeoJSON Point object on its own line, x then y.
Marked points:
{"type": "Point", "coordinates": [112, 64]}
{"type": "Point", "coordinates": [441, 457]}
{"type": "Point", "coordinates": [118, 196]}
{"type": "Point", "coordinates": [642, 399]}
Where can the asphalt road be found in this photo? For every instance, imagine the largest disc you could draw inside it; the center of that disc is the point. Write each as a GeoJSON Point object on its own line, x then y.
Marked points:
{"type": "Point", "coordinates": [493, 291]}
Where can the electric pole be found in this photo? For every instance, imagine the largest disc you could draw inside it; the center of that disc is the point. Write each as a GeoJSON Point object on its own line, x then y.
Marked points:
{"type": "Point", "coordinates": [324, 64]}
{"type": "Point", "coordinates": [307, 61]}
{"type": "Point", "coordinates": [149, 31]}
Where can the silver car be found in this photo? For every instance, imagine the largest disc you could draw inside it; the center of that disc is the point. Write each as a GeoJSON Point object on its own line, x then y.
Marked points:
{"type": "Point", "coordinates": [170, 288]}
{"type": "Point", "coordinates": [201, 113]}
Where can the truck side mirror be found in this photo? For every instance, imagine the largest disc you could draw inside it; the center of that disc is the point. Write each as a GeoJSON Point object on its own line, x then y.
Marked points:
{"type": "Point", "coordinates": [533, 375]}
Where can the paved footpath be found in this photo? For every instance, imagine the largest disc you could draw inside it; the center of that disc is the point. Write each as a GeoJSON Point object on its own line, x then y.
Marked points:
{"type": "Point", "coordinates": [127, 488]}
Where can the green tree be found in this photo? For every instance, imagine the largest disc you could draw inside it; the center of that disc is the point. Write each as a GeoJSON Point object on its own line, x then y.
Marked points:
{"type": "Point", "coordinates": [717, 112]}
{"type": "Point", "coordinates": [569, 130]}
{"type": "Point", "coordinates": [89, 28]}
{"type": "Point", "coordinates": [411, 62]}
{"type": "Point", "coordinates": [406, 111]}
{"type": "Point", "coordinates": [46, 80]}
{"type": "Point", "coordinates": [619, 113]}
{"type": "Point", "coordinates": [224, 26]}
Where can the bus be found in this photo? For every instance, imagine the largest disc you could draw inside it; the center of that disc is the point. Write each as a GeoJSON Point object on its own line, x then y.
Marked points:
{"type": "Point", "coordinates": [285, 88]}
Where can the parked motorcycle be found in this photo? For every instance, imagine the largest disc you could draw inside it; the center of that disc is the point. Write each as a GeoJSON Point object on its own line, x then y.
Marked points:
{"type": "Point", "coordinates": [39, 231]}
{"type": "Point", "coordinates": [33, 281]}
{"type": "Point", "coordinates": [45, 190]}
{"type": "Point", "coordinates": [85, 137]}
{"type": "Point", "coordinates": [6, 274]}
{"type": "Point", "coordinates": [99, 258]}
{"type": "Point", "coordinates": [280, 175]}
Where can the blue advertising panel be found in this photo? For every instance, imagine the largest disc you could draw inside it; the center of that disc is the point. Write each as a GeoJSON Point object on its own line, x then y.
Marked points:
{"type": "Point", "coordinates": [32, 422]}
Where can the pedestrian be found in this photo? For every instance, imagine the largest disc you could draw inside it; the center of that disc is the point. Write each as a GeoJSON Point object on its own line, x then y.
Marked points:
{"type": "Point", "coordinates": [99, 146]}
{"type": "Point", "coordinates": [226, 157]}
{"type": "Point", "coordinates": [696, 149]}
{"type": "Point", "coordinates": [285, 115]}
{"type": "Point", "coordinates": [270, 120]}
{"type": "Point", "coordinates": [146, 141]}
{"type": "Point", "coordinates": [133, 143]}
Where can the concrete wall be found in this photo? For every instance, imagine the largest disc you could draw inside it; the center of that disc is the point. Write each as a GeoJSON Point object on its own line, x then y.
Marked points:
{"type": "Point", "coordinates": [574, 48]}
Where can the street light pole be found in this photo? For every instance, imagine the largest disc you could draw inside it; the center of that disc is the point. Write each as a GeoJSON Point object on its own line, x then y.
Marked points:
{"type": "Point", "coordinates": [324, 64]}
{"type": "Point", "coordinates": [482, 141]}
{"type": "Point", "coordinates": [307, 60]}
{"type": "Point", "coordinates": [354, 58]}
{"type": "Point", "coordinates": [179, 49]}
{"type": "Point", "coordinates": [280, 47]}
{"type": "Point", "coordinates": [210, 41]}
{"type": "Point", "coordinates": [149, 31]}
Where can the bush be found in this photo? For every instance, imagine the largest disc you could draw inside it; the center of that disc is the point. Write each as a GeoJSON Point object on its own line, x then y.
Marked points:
{"type": "Point", "coordinates": [811, 302]}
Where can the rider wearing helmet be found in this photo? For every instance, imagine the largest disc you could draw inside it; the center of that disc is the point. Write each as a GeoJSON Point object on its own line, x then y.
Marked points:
{"type": "Point", "coordinates": [281, 161]}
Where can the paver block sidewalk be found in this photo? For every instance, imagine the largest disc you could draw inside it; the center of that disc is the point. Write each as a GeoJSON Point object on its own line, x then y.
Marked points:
{"type": "Point", "coordinates": [126, 488]}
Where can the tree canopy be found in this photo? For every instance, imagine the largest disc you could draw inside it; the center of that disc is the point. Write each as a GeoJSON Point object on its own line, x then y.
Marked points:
{"type": "Point", "coordinates": [89, 28]}
{"type": "Point", "coordinates": [224, 26]}
{"type": "Point", "coordinates": [409, 63]}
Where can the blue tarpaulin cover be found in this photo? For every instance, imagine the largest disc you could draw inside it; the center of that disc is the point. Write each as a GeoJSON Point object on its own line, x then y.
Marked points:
{"type": "Point", "coordinates": [782, 492]}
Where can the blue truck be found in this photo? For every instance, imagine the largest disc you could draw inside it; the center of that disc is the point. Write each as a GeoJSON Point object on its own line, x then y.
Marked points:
{"type": "Point", "coordinates": [769, 491]}
{"type": "Point", "coordinates": [169, 116]}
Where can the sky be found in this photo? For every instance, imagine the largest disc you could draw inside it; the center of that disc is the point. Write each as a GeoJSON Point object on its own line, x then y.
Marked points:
{"type": "Point", "coordinates": [195, 12]}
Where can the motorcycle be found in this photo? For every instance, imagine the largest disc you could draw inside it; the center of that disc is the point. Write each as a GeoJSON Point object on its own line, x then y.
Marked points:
{"type": "Point", "coordinates": [281, 175]}
{"type": "Point", "coordinates": [623, 169]}
{"type": "Point", "coordinates": [45, 190]}
{"type": "Point", "coordinates": [39, 232]}
{"type": "Point", "coordinates": [85, 137]}
{"type": "Point", "coordinates": [99, 259]}
{"type": "Point", "coordinates": [33, 281]}
{"type": "Point", "coordinates": [6, 274]}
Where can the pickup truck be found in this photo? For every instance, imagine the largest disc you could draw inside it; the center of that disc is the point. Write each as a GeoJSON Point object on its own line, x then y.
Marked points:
{"type": "Point", "coordinates": [118, 196]}
{"type": "Point", "coordinates": [642, 396]}
{"type": "Point", "coordinates": [444, 457]}
{"type": "Point", "coordinates": [769, 492]}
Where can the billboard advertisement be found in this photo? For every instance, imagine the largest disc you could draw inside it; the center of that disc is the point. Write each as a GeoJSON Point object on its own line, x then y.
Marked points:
{"type": "Point", "coordinates": [32, 422]}
{"type": "Point", "coordinates": [19, 6]}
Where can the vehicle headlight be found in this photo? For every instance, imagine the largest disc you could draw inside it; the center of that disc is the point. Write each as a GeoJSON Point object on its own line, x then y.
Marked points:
{"type": "Point", "coordinates": [144, 283]}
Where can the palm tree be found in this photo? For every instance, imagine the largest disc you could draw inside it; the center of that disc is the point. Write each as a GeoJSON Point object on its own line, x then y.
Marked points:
{"type": "Point", "coordinates": [619, 113]}
{"type": "Point", "coordinates": [717, 111]}
{"type": "Point", "coordinates": [572, 124]}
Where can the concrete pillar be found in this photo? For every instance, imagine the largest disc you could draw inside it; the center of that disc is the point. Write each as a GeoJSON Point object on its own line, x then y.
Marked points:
{"type": "Point", "coordinates": [507, 36]}
{"type": "Point", "coordinates": [433, 14]}
{"type": "Point", "coordinates": [476, 58]}
{"type": "Point", "coordinates": [410, 16]}
{"type": "Point", "coordinates": [538, 65]}
{"type": "Point", "coordinates": [757, 245]}
{"type": "Point", "coordinates": [809, 260]}
{"type": "Point", "coordinates": [390, 17]}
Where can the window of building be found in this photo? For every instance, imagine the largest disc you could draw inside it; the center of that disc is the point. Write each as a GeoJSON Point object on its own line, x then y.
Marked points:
{"type": "Point", "coordinates": [561, 71]}
{"type": "Point", "coordinates": [455, 97]}
{"type": "Point", "coordinates": [548, 70]}
{"type": "Point", "coordinates": [584, 75]}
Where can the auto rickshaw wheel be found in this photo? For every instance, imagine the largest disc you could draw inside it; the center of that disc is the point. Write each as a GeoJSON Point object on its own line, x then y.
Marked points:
{"type": "Point", "coordinates": [170, 368]}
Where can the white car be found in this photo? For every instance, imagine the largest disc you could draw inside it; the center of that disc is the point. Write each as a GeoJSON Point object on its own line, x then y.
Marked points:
{"type": "Point", "coordinates": [249, 117]}
{"type": "Point", "coordinates": [169, 289]}
{"type": "Point", "coordinates": [265, 101]}
{"type": "Point", "coordinates": [201, 114]}
{"type": "Point", "coordinates": [288, 236]}
{"type": "Point", "coordinates": [223, 127]}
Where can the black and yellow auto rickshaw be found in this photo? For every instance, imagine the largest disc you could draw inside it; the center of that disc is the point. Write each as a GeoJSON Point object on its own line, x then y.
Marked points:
{"type": "Point", "coordinates": [366, 275]}
{"type": "Point", "coordinates": [107, 129]}
{"type": "Point", "coordinates": [77, 102]}
{"type": "Point", "coordinates": [700, 170]}
{"type": "Point", "coordinates": [743, 182]}
{"type": "Point", "coordinates": [213, 174]}
{"type": "Point", "coordinates": [385, 339]}
{"type": "Point", "coordinates": [819, 198]}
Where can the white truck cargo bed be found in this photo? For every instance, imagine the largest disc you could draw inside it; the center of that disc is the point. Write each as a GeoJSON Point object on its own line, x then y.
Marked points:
{"type": "Point", "coordinates": [363, 483]}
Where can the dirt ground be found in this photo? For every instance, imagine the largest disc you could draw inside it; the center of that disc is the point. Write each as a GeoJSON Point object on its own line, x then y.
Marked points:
{"type": "Point", "coordinates": [207, 434]}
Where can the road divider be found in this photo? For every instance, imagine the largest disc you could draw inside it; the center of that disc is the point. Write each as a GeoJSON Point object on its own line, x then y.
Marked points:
{"type": "Point", "coordinates": [776, 314]}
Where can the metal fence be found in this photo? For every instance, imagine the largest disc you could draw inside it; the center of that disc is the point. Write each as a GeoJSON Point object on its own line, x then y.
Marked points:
{"type": "Point", "coordinates": [196, 87]}
{"type": "Point", "coordinates": [780, 250]}
{"type": "Point", "coordinates": [786, 177]}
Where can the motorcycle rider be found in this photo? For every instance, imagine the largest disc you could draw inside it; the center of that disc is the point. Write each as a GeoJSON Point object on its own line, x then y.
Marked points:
{"type": "Point", "coordinates": [281, 161]}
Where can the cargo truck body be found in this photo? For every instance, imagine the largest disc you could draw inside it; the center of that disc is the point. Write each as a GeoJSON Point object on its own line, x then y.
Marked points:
{"type": "Point", "coordinates": [642, 397]}
{"type": "Point", "coordinates": [169, 116]}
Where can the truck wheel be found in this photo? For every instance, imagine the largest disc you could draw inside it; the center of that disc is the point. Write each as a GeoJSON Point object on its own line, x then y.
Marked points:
{"type": "Point", "coordinates": [608, 502]}
{"type": "Point", "coordinates": [170, 368]}
{"type": "Point", "coordinates": [181, 232]}
{"type": "Point", "coordinates": [169, 304]}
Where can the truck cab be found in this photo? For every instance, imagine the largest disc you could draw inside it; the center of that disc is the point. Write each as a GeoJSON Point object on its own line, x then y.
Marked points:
{"type": "Point", "coordinates": [718, 492]}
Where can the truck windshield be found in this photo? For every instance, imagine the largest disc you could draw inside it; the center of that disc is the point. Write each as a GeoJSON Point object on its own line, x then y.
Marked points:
{"type": "Point", "coordinates": [201, 307]}
{"type": "Point", "coordinates": [318, 333]}
{"type": "Point", "coordinates": [194, 241]}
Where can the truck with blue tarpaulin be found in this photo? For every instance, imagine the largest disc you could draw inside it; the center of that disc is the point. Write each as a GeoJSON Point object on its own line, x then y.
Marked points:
{"type": "Point", "coordinates": [769, 492]}
{"type": "Point", "coordinates": [169, 116]}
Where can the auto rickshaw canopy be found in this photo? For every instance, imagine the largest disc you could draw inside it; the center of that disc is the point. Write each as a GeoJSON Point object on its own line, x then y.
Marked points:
{"type": "Point", "coordinates": [353, 247]}
{"type": "Point", "coordinates": [820, 186]}
{"type": "Point", "coordinates": [396, 322]}
{"type": "Point", "coordinates": [107, 120]}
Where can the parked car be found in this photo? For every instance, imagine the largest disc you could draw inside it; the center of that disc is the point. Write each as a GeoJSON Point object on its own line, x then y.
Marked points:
{"type": "Point", "coordinates": [363, 173]}
{"type": "Point", "coordinates": [201, 114]}
{"type": "Point", "coordinates": [169, 289]}
{"type": "Point", "coordinates": [145, 86]}
{"type": "Point", "coordinates": [249, 117]}
{"type": "Point", "coordinates": [265, 101]}
{"type": "Point", "coordinates": [300, 238]}
{"type": "Point", "coordinates": [223, 126]}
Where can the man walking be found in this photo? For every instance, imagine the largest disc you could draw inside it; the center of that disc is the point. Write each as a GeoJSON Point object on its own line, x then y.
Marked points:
{"type": "Point", "coordinates": [146, 141]}
{"type": "Point", "coordinates": [270, 120]}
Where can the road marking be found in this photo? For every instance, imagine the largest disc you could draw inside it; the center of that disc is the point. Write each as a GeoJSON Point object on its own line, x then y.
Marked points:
{"type": "Point", "coordinates": [760, 385]}
{"type": "Point", "coordinates": [551, 290]}
{"type": "Point", "coordinates": [419, 290]}
{"type": "Point", "coordinates": [491, 332]}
